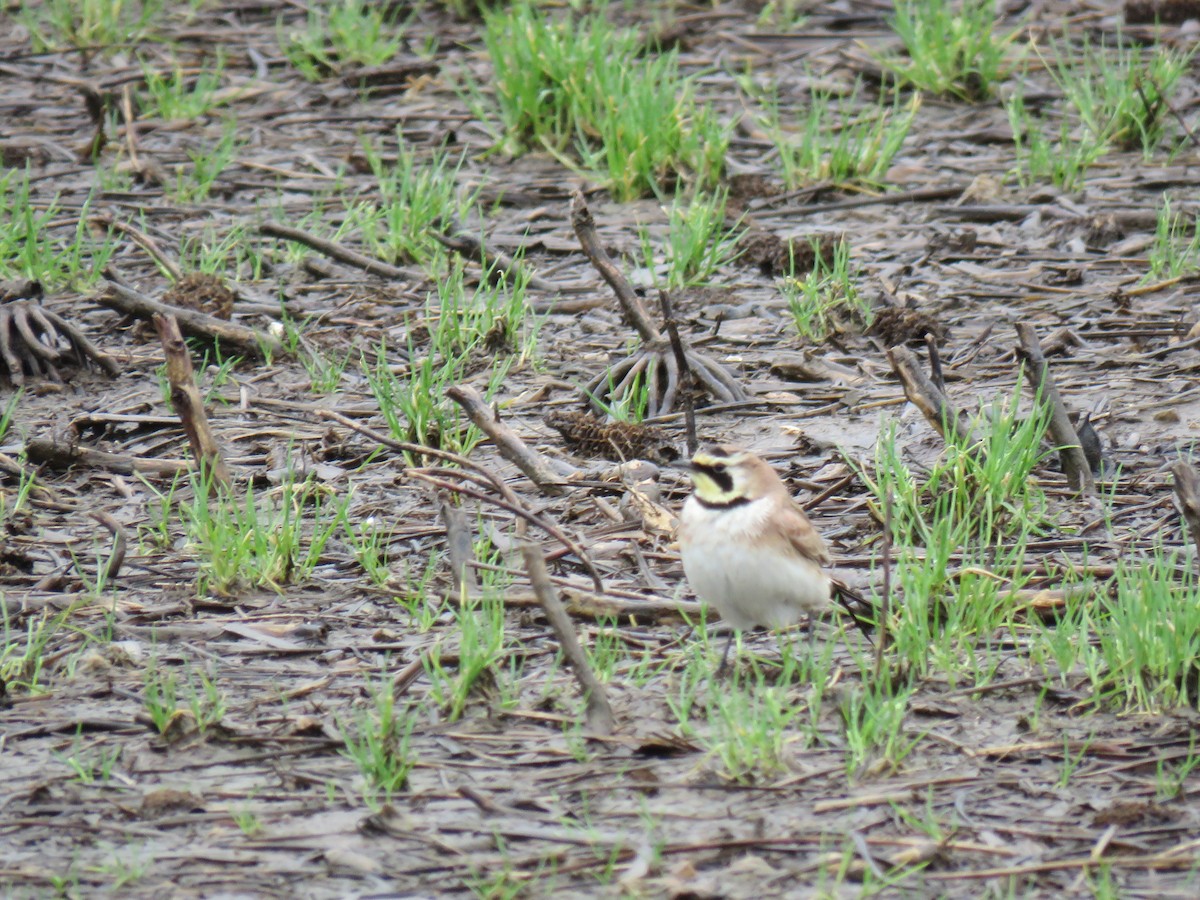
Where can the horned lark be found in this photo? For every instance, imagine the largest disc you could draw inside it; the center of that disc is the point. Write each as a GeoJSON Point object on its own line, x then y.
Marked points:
{"type": "Point", "coordinates": [747, 548]}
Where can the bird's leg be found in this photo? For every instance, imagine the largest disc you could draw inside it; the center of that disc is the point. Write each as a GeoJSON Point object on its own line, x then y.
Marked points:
{"type": "Point", "coordinates": [725, 656]}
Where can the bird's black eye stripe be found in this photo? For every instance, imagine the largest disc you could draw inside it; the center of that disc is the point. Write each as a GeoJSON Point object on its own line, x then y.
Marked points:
{"type": "Point", "coordinates": [719, 474]}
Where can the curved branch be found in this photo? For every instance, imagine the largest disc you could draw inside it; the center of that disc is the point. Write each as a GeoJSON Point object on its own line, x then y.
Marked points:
{"type": "Point", "coordinates": [625, 385]}
{"type": "Point", "coordinates": [42, 345]}
{"type": "Point", "coordinates": [82, 346]}
{"type": "Point", "coordinates": [585, 230]}
{"type": "Point", "coordinates": [672, 386]}
{"type": "Point", "coordinates": [16, 373]}
{"type": "Point", "coordinates": [652, 395]}
{"type": "Point", "coordinates": [715, 377]}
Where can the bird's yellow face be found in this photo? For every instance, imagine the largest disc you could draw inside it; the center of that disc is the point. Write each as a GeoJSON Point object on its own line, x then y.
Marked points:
{"type": "Point", "coordinates": [720, 477]}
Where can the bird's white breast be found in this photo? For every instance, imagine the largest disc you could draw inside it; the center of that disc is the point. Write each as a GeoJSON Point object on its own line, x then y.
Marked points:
{"type": "Point", "coordinates": [750, 581]}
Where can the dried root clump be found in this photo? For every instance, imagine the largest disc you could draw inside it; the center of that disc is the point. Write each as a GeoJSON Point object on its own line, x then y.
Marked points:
{"type": "Point", "coordinates": [35, 342]}
{"type": "Point", "coordinates": [585, 435]}
{"type": "Point", "coordinates": [773, 255]}
{"type": "Point", "coordinates": [654, 369]}
{"type": "Point", "coordinates": [202, 292]}
{"type": "Point", "coordinates": [746, 187]}
{"type": "Point", "coordinates": [1163, 12]}
{"type": "Point", "coordinates": [898, 325]}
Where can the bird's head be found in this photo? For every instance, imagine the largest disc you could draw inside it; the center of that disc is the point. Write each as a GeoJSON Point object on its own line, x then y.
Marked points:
{"type": "Point", "coordinates": [728, 476]}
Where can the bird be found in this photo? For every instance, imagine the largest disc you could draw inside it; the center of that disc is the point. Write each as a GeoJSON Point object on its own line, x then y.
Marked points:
{"type": "Point", "coordinates": [748, 550]}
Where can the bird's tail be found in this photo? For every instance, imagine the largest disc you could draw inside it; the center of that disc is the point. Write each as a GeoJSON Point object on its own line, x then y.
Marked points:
{"type": "Point", "coordinates": [857, 607]}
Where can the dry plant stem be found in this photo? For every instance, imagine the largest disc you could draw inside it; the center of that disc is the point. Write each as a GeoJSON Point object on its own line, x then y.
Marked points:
{"type": "Point", "coordinates": [511, 447]}
{"type": "Point", "coordinates": [498, 267]}
{"type": "Point", "coordinates": [437, 478]}
{"type": "Point", "coordinates": [1187, 489]}
{"type": "Point", "coordinates": [816, 500]}
{"type": "Point", "coordinates": [405, 677]}
{"type": "Point", "coordinates": [336, 251]}
{"type": "Point", "coordinates": [185, 398]}
{"type": "Point", "coordinates": [935, 363]}
{"type": "Point", "coordinates": [458, 546]}
{"type": "Point", "coordinates": [924, 394]}
{"type": "Point", "coordinates": [886, 599]}
{"type": "Point", "coordinates": [602, 606]}
{"type": "Point", "coordinates": [480, 474]}
{"type": "Point", "coordinates": [1157, 286]}
{"type": "Point", "coordinates": [197, 324]}
{"type": "Point", "coordinates": [685, 372]}
{"type": "Point", "coordinates": [655, 354]}
{"type": "Point", "coordinates": [406, 447]}
{"type": "Point", "coordinates": [864, 852]}
{"type": "Point", "coordinates": [119, 544]}
{"type": "Point", "coordinates": [130, 128]}
{"type": "Point", "coordinates": [142, 239]}
{"type": "Point", "coordinates": [62, 455]}
{"type": "Point", "coordinates": [1062, 432]}
{"type": "Point", "coordinates": [1171, 109]}
{"type": "Point", "coordinates": [599, 713]}
{"type": "Point", "coordinates": [567, 307]}
{"type": "Point", "coordinates": [585, 231]}
{"type": "Point", "coordinates": [924, 195]}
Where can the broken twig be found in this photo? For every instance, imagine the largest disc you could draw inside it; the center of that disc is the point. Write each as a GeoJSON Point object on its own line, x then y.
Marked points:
{"type": "Point", "coordinates": [186, 400]}
{"type": "Point", "coordinates": [1062, 432]}
{"type": "Point", "coordinates": [1187, 489]}
{"type": "Point", "coordinates": [59, 453]}
{"type": "Point", "coordinates": [440, 478]}
{"type": "Point", "coordinates": [685, 372]}
{"type": "Point", "coordinates": [925, 395]}
{"type": "Point", "coordinates": [885, 610]}
{"type": "Point", "coordinates": [511, 447]}
{"type": "Point", "coordinates": [599, 713]}
{"type": "Point", "coordinates": [197, 324]}
{"type": "Point", "coordinates": [472, 471]}
{"type": "Point", "coordinates": [497, 266]}
{"type": "Point", "coordinates": [458, 546]}
{"type": "Point", "coordinates": [116, 559]}
{"type": "Point", "coordinates": [339, 252]}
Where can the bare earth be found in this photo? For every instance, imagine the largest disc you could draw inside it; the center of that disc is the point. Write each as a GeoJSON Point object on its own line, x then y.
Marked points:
{"type": "Point", "coordinates": [1034, 791]}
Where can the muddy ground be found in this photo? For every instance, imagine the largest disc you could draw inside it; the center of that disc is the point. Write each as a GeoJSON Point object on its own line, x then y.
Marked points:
{"type": "Point", "coordinates": [514, 796]}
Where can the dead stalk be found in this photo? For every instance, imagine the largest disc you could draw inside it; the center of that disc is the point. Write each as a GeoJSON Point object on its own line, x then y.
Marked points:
{"type": "Point", "coordinates": [599, 713]}
{"type": "Point", "coordinates": [125, 299]}
{"type": "Point", "coordinates": [336, 251]}
{"type": "Point", "coordinates": [1062, 432]}
{"type": "Point", "coordinates": [885, 610]}
{"type": "Point", "coordinates": [511, 447]}
{"type": "Point", "coordinates": [480, 474]}
{"type": "Point", "coordinates": [925, 395]}
{"type": "Point", "coordinates": [686, 379]}
{"type": "Point", "coordinates": [188, 404]}
{"type": "Point", "coordinates": [458, 546]}
{"type": "Point", "coordinates": [1187, 489]}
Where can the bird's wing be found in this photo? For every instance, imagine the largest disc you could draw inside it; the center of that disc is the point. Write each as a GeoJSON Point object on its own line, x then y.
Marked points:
{"type": "Point", "coordinates": [803, 537]}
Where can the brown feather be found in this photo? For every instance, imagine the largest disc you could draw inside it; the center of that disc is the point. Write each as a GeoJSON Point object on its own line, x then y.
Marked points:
{"type": "Point", "coordinates": [795, 530]}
